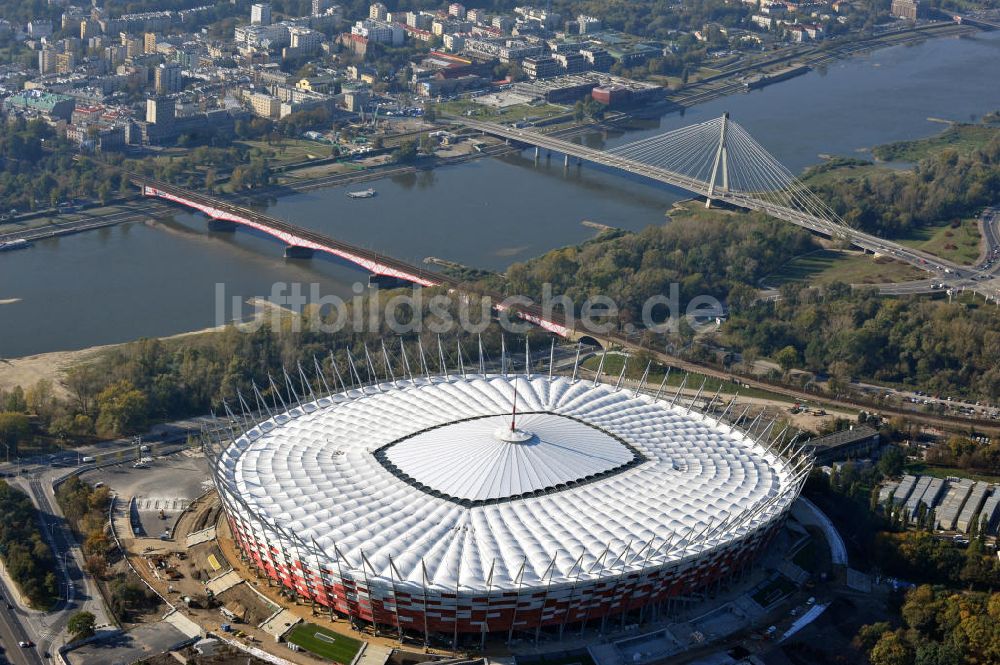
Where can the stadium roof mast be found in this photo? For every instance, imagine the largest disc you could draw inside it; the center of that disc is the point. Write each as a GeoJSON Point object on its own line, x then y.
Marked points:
{"type": "Point", "coordinates": [513, 413]}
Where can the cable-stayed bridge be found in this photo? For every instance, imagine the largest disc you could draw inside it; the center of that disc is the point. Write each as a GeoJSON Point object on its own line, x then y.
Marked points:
{"type": "Point", "coordinates": [720, 161]}
{"type": "Point", "coordinates": [717, 159]}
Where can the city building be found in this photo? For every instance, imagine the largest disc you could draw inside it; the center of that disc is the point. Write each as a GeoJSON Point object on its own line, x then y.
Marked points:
{"type": "Point", "coordinates": [423, 508]}
{"type": "Point", "coordinates": [97, 137]}
{"type": "Point", "coordinates": [51, 106]}
{"type": "Point", "coordinates": [39, 27]}
{"type": "Point", "coordinates": [265, 105]}
{"type": "Point", "coordinates": [540, 67]}
{"type": "Point", "coordinates": [457, 10]}
{"type": "Point", "coordinates": [65, 63]}
{"type": "Point", "coordinates": [858, 441]}
{"type": "Point", "coordinates": [160, 110]}
{"type": "Point", "coordinates": [264, 37]}
{"type": "Point", "coordinates": [302, 41]}
{"type": "Point", "coordinates": [260, 13]}
{"type": "Point", "coordinates": [506, 50]}
{"type": "Point", "coordinates": [378, 12]}
{"type": "Point", "coordinates": [905, 9]}
{"type": "Point", "coordinates": [167, 78]}
{"type": "Point", "coordinates": [320, 7]}
{"type": "Point", "coordinates": [380, 32]}
{"type": "Point", "coordinates": [47, 61]}
{"type": "Point", "coordinates": [588, 25]}
{"type": "Point", "coordinates": [597, 59]}
{"type": "Point", "coordinates": [571, 62]}
{"type": "Point", "coordinates": [149, 42]}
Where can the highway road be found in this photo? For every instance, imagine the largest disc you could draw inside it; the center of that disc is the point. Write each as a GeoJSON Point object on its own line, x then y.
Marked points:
{"type": "Point", "coordinates": [35, 475]}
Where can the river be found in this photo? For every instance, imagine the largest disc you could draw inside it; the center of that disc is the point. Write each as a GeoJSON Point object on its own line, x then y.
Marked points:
{"type": "Point", "coordinates": [157, 279]}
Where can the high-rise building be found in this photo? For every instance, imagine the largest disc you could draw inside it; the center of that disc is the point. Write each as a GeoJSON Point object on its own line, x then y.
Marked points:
{"type": "Point", "coordinates": [167, 78]}
{"type": "Point", "coordinates": [260, 13]}
{"type": "Point", "coordinates": [47, 61]}
{"type": "Point", "coordinates": [457, 10]}
{"type": "Point", "coordinates": [160, 110]}
{"type": "Point", "coordinates": [149, 42]}
{"type": "Point", "coordinates": [65, 63]}
{"type": "Point", "coordinates": [378, 12]}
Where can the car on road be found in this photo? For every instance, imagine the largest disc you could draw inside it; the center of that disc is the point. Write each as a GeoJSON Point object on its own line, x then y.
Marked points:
{"type": "Point", "coordinates": [25, 644]}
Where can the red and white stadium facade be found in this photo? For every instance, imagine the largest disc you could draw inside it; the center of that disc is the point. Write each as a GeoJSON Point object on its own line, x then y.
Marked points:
{"type": "Point", "coordinates": [421, 506]}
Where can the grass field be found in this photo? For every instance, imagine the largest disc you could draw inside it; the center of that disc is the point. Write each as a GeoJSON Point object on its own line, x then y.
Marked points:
{"type": "Point", "coordinates": [515, 113]}
{"type": "Point", "coordinates": [960, 245]}
{"type": "Point", "coordinates": [291, 150]}
{"type": "Point", "coordinates": [922, 469]}
{"type": "Point", "coordinates": [961, 138]}
{"type": "Point", "coordinates": [324, 643]}
{"type": "Point", "coordinates": [826, 265]}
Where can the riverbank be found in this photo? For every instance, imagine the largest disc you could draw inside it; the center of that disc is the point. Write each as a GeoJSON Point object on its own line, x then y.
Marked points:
{"type": "Point", "coordinates": [26, 371]}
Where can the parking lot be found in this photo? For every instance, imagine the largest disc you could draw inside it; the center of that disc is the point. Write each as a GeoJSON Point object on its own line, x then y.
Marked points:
{"type": "Point", "coordinates": [166, 483]}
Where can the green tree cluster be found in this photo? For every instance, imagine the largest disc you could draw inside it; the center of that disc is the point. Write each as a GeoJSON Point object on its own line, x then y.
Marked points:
{"type": "Point", "coordinates": [941, 627]}
{"type": "Point", "coordinates": [27, 557]}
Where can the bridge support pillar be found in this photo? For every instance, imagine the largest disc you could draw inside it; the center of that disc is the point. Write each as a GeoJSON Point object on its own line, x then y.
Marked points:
{"type": "Point", "coordinates": [387, 282]}
{"type": "Point", "coordinates": [295, 252]}
{"type": "Point", "coordinates": [536, 154]}
{"type": "Point", "coordinates": [566, 161]}
{"type": "Point", "coordinates": [223, 225]}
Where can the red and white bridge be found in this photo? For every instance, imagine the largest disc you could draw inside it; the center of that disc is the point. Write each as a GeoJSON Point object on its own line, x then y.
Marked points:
{"type": "Point", "coordinates": [298, 238]}
{"type": "Point", "coordinates": [292, 236]}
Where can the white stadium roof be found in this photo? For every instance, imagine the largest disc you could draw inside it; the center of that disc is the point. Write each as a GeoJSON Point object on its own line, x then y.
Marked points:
{"type": "Point", "coordinates": [429, 476]}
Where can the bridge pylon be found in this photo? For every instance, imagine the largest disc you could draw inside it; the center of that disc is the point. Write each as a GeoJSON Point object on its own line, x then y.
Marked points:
{"type": "Point", "coordinates": [721, 159]}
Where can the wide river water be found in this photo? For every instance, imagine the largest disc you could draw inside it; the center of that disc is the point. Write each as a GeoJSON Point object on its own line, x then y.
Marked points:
{"type": "Point", "coordinates": [137, 280]}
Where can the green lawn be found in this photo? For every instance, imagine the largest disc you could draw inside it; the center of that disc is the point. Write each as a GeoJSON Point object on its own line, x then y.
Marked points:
{"type": "Point", "coordinates": [962, 138]}
{"type": "Point", "coordinates": [324, 643]}
{"type": "Point", "coordinates": [289, 151]}
{"type": "Point", "coordinates": [922, 469]}
{"type": "Point", "coordinates": [828, 265]}
{"type": "Point", "coordinates": [518, 112]}
{"type": "Point", "coordinates": [961, 244]}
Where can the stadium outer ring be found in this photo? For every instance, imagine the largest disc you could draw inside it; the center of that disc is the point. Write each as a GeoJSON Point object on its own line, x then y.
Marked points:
{"type": "Point", "coordinates": [357, 594]}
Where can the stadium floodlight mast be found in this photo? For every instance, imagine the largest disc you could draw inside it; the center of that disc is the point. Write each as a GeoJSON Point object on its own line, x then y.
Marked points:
{"type": "Point", "coordinates": [406, 361]}
{"type": "Point", "coordinates": [552, 358]}
{"type": "Point", "coordinates": [482, 363]}
{"type": "Point", "coordinates": [600, 368]}
{"type": "Point", "coordinates": [642, 381]}
{"type": "Point", "coordinates": [621, 375]}
{"type": "Point", "coordinates": [388, 364]}
{"type": "Point", "coordinates": [663, 383]}
{"type": "Point", "coordinates": [680, 389]}
{"type": "Point", "coordinates": [697, 394]}
{"type": "Point", "coordinates": [576, 363]}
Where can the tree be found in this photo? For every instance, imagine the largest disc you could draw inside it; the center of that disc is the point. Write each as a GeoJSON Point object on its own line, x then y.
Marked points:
{"type": "Point", "coordinates": [869, 635]}
{"type": "Point", "coordinates": [787, 357]}
{"type": "Point", "coordinates": [81, 625]}
{"type": "Point", "coordinates": [121, 409]}
{"type": "Point", "coordinates": [891, 462]}
{"type": "Point", "coordinates": [891, 649]}
{"type": "Point", "coordinates": [406, 152]}
{"type": "Point", "coordinates": [14, 428]}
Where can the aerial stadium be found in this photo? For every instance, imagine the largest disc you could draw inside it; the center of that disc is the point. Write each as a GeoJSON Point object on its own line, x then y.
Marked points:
{"type": "Point", "coordinates": [461, 504]}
